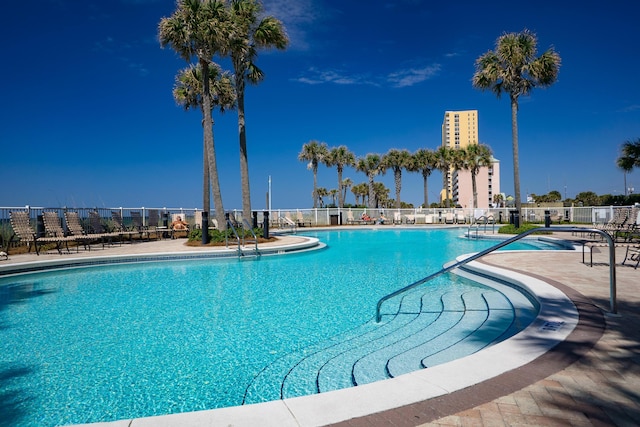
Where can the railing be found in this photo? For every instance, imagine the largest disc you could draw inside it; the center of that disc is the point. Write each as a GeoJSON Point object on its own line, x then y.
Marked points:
{"type": "Point", "coordinates": [612, 264]}
{"type": "Point", "coordinates": [483, 220]}
{"type": "Point", "coordinates": [241, 241]}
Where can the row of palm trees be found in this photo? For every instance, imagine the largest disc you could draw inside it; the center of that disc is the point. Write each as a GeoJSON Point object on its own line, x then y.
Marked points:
{"type": "Point", "coordinates": [424, 161]}
{"type": "Point", "coordinates": [199, 31]}
{"type": "Point", "coordinates": [512, 68]}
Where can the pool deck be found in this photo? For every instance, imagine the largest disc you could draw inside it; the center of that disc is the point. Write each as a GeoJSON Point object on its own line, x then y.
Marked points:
{"type": "Point", "coordinates": [591, 379]}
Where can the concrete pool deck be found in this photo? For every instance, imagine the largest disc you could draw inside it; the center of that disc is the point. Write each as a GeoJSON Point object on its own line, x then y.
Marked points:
{"type": "Point", "coordinates": [593, 378]}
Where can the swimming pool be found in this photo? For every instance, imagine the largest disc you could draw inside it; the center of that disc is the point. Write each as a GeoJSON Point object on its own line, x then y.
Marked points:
{"type": "Point", "coordinates": [154, 340]}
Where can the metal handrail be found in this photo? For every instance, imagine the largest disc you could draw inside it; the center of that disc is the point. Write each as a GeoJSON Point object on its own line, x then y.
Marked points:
{"type": "Point", "coordinates": [477, 223]}
{"type": "Point", "coordinates": [612, 263]}
{"type": "Point", "coordinates": [226, 236]}
{"type": "Point", "coordinates": [248, 227]}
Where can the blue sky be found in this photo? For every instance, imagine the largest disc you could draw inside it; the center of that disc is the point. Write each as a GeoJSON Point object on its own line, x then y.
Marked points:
{"type": "Point", "coordinates": [88, 117]}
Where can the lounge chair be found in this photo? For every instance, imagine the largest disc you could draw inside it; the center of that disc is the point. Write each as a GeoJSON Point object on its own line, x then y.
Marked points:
{"type": "Point", "coordinates": [74, 225]}
{"type": "Point", "coordinates": [286, 221]}
{"type": "Point", "coordinates": [95, 223]}
{"type": "Point", "coordinates": [449, 218]}
{"type": "Point", "coordinates": [175, 231]}
{"type": "Point", "coordinates": [120, 228]}
{"type": "Point", "coordinates": [138, 225]}
{"type": "Point", "coordinates": [301, 221]}
{"type": "Point", "coordinates": [397, 218]}
{"type": "Point", "coordinates": [21, 224]}
{"type": "Point", "coordinates": [53, 228]}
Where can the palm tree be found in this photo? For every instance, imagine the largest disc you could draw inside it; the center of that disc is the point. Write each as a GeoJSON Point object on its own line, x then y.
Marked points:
{"type": "Point", "coordinates": [444, 158]}
{"type": "Point", "coordinates": [344, 186]}
{"type": "Point", "coordinates": [334, 192]}
{"type": "Point", "coordinates": [321, 192]}
{"type": "Point", "coordinates": [248, 33]}
{"type": "Point", "coordinates": [629, 159]}
{"type": "Point", "coordinates": [476, 156]}
{"type": "Point", "coordinates": [371, 165]}
{"type": "Point", "coordinates": [498, 200]}
{"type": "Point", "coordinates": [423, 161]}
{"type": "Point", "coordinates": [187, 92]}
{"type": "Point", "coordinates": [514, 69]}
{"type": "Point", "coordinates": [193, 31]}
{"type": "Point", "coordinates": [397, 160]}
{"type": "Point", "coordinates": [340, 157]}
{"type": "Point", "coordinates": [360, 190]}
{"type": "Point", "coordinates": [314, 152]}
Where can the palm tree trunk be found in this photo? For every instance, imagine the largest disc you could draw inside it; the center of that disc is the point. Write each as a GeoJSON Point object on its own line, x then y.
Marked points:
{"type": "Point", "coordinates": [372, 194]}
{"type": "Point", "coordinates": [315, 186]}
{"type": "Point", "coordinates": [206, 188]}
{"type": "Point", "coordinates": [516, 167]}
{"type": "Point", "coordinates": [209, 145]}
{"type": "Point", "coordinates": [340, 197]}
{"type": "Point", "coordinates": [426, 189]}
{"type": "Point", "coordinates": [244, 161]}
{"type": "Point", "coordinates": [474, 189]}
{"type": "Point", "coordinates": [398, 178]}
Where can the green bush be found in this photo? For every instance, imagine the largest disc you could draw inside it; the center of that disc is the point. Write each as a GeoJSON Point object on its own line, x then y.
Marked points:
{"type": "Point", "coordinates": [219, 236]}
{"type": "Point", "coordinates": [511, 229]}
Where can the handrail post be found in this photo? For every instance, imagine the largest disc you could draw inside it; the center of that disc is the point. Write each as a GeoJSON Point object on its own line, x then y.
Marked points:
{"type": "Point", "coordinates": [612, 264]}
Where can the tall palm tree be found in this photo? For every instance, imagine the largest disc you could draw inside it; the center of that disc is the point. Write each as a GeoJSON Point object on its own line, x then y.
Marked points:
{"type": "Point", "coordinates": [340, 157]}
{"type": "Point", "coordinates": [424, 161]}
{"type": "Point", "coordinates": [344, 186]}
{"type": "Point", "coordinates": [314, 152]}
{"type": "Point", "coordinates": [629, 159]}
{"type": "Point", "coordinates": [193, 31]}
{"type": "Point", "coordinates": [321, 192]}
{"type": "Point", "coordinates": [187, 92]}
{"type": "Point", "coordinates": [444, 158]}
{"type": "Point", "coordinates": [334, 193]}
{"type": "Point", "coordinates": [249, 32]}
{"type": "Point", "coordinates": [371, 165]}
{"type": "Point", "coordinates": [514, 69]}
{"type": "Point", "coordinates": [476, 156]}
{"type": "Point", "coordinates": [397, 160]}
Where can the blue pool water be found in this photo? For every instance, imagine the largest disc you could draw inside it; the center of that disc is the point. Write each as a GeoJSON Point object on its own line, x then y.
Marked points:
{"type": "Point", "coordinates": [124, 341]}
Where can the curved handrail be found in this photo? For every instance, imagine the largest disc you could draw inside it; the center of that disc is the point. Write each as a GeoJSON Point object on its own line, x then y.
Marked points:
{"type": "Point", "coordinates": [482, 220]}
{"type": "Point", "coordinates": [247, 226]}
{"type": "Point", "coordinates": [612, 263]}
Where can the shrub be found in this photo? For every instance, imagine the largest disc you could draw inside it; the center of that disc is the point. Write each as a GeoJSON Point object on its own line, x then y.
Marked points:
{"type": "Point", "coordinates": [511, 229]}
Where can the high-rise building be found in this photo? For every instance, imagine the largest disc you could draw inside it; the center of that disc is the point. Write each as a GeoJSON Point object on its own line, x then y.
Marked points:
{"type": "Point", "coordinates": [459, 130]}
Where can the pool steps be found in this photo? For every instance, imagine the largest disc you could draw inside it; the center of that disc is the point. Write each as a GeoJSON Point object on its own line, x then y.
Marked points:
{"type": "Point", "coordinates": [423, 331]}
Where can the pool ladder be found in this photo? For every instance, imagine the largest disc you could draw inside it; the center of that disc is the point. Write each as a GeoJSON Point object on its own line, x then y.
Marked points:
{"type": "Point", "coordinates": [242, 241]}
{"type": "Point", "coordinates": [612, 264]}
{"type": "Point", "coordinates": [482, 221]}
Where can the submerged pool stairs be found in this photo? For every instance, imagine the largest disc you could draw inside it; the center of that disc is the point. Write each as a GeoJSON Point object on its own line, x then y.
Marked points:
{"type": "Point", "coordinates": [424, 330]}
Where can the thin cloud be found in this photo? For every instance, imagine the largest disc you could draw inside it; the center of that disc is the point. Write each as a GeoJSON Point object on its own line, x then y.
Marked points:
{"type": "Point", "coordinates": [630, 108]}
{"type": "Point", "coordinates": [398, 79]}
{"type": "Point", "coordinates": [413, 76]}
{"type": "Point", "coordinates": [315, 76]}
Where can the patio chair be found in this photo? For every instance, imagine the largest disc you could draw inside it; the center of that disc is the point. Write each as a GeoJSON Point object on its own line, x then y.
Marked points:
{"type": "Point", "coordinates": [74, 225]}
{"type": "Point", "coordinates": [178, 219]}
{"type": "Point", "coordinates": [301, 221]}
{"type": "Point", "coordinates": [119, 226]}
{"type": "Point", "coordinates": [95, 223]}
{"type": "Point", "coordinates": [21, 224]}
{"type": "Point", "coordinates": [53, 228]}
{"type": "Point", "coordinates": [138, 225]}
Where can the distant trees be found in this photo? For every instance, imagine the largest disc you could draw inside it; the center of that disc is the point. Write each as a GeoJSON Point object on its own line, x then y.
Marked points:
{"type": "Point", "coordinates": [396, 160]}
{"type": "Point", "coordinates": [424, 161]}
{"type": "Point", "coordinates": [314, 152]}
{"type": "Point", "coordinates": [514, 69]}
{"type": "Point", "coordinates": [371, 165]}
{"type": "Point", "coordinates": [474, 157]}
{"type": "Point", "coordinates": [629, 159]}
{"type": "Point", "coordinates": [340, 157]}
